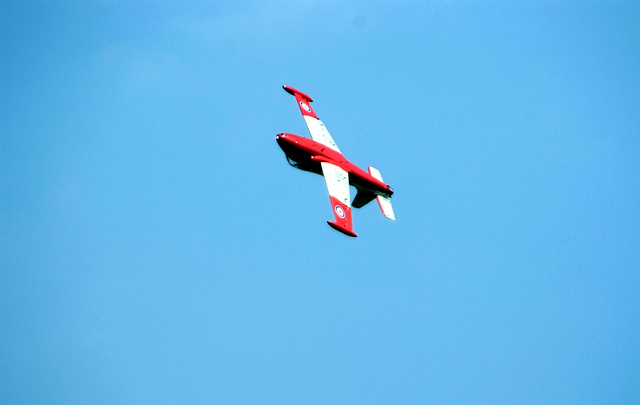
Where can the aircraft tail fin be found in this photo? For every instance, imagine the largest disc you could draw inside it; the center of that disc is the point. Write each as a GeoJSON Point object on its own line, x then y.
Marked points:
{"type": "Point", "coordinates": [362, 198]}
{"type": "Point", "coordinates": [384, 201]}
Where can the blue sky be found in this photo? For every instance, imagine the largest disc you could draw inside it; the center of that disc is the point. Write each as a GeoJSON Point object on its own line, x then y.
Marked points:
{"type": "Point", "coordinates": [155, 246]}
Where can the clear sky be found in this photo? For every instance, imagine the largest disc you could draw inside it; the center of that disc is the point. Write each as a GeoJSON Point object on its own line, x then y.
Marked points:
{"type": "Point", "coordinates": [156, 247]}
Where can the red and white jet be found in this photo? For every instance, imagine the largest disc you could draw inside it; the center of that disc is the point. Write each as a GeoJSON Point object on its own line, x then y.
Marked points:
{"type": "Point", "coordinates": [321, 155]}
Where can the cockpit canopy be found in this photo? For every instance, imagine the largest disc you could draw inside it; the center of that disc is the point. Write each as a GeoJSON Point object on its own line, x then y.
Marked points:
{"type": "Point", "coordinates": [292, 162]}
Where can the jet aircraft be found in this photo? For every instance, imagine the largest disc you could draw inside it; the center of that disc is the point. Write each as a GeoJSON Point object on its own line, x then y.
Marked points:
{"type": "Point", "coordinates": [321, 155]}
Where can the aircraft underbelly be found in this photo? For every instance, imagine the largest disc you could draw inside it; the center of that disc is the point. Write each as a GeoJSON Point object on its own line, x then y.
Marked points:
{"type": "Point", "coordinates": [300, 158]}
{"type": "Point", "coordinates": [362, 183]}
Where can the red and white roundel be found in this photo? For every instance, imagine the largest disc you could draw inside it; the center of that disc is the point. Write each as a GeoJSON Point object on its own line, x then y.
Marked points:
{"type": "Point", "coordinates": [305, 106]}
{"type": "Point", "coordinates": [339, 211]}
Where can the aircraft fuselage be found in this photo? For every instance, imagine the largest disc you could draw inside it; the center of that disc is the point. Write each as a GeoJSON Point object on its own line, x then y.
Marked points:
{"type": "Point", "coordinates": [307, 154]}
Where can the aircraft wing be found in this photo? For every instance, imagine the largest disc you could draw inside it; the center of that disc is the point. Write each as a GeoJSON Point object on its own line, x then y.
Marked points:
{"type": "Point", "coordinates": [318, 131]}
{"type": "Point", "coordinates": [337, 180]}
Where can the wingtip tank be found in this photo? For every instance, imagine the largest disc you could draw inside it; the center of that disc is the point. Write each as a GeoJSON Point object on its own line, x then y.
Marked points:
{"type": "Point", "coordinates": [293, 92]}
{"type": "Point", "coordinates": [339, 228]}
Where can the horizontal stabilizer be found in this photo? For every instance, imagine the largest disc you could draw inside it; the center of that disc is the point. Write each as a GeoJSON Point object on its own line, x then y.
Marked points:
{"type": "Point", "coordinates": [385, 206]}
{"type": "Point", "coordinates": [384, 201]}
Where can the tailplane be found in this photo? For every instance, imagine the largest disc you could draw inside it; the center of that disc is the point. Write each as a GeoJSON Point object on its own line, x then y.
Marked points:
{"type": "Point", "coordinates": [384, 201]}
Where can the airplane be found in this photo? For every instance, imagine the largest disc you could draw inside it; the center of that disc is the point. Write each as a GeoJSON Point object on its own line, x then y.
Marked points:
{"type": "Point", "coordinates": [321, 155]}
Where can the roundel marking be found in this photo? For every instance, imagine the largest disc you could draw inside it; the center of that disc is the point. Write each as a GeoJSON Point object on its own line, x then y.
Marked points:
{"type": "Point", "coordinates": [305, 106]}
{"type": "Point", "coordinates": [339, 211]}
